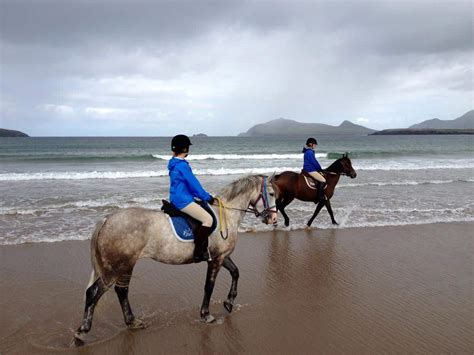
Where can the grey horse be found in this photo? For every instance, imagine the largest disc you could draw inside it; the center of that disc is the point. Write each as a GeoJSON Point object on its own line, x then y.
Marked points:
{"type": "Point", "coordinates": [123, 237]}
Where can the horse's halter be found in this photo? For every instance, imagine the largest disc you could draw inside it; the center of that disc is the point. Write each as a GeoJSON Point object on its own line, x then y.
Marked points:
{"type": "Point", "coordinates": [267, 209]}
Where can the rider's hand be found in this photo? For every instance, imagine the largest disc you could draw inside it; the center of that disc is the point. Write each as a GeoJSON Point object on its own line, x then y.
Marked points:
{"type": "Point", "coordinates": [211, 200]}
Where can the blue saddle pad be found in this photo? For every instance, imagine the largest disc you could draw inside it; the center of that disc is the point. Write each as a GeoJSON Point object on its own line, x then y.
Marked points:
{"type": "Point", "coordinates": [183, 229]}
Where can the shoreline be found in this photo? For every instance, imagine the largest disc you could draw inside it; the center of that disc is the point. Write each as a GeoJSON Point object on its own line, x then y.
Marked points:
{"type": "Point", "coordinates": [373, 289]}
{"type": "Point", "coordinates": [291, 229]}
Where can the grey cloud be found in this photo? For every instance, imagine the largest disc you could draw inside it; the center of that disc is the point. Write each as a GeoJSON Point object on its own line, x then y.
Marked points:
{"type": "Point", "coordinates": [239, 62]}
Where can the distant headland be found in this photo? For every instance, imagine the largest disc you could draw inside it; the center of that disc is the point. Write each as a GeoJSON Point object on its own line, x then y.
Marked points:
{"type": "Point", "coordinates": [460, 125]}
{"type": "Point", "coordinates": [419, 131]}
{"type": "Point", "coordinates": [11, 133]}
{"type": "Point", "coordinates": [285, 127]}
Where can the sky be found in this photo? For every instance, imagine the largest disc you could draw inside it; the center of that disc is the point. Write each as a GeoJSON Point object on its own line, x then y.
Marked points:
{"type": "Point", "coordinates": [159, 68]}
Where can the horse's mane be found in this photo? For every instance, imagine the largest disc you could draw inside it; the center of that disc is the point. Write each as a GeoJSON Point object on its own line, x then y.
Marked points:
{"type": "Point", "coordinates": [241, 186]}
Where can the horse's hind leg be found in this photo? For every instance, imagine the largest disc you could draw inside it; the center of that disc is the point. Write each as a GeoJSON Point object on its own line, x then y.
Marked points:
{"type": "Point", "coordinates": [234, 272]}
{"type": "Point", "coordinates": [93, 294]}
{"type": "Point", "coordinates": [121, 289]}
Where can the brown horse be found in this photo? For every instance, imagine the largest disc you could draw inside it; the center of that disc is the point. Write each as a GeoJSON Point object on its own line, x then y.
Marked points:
{"type": "Point", "coordinates": [293, 185]}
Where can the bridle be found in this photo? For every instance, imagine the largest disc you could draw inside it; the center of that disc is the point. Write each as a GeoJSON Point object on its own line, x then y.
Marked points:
{"type": "Point", "coordinates": [342, 172]}
{"type": "Point", "coordinates": [267, 209]}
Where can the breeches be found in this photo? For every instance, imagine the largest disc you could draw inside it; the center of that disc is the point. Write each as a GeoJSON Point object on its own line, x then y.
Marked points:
{"type": "Point", "coordinates": [199, 213]}
{"type": "Point", "coordinates": [317, 176]}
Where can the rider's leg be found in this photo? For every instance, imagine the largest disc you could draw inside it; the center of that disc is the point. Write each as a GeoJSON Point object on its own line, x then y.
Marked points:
{"type": "Point", "coordinates": [200, 239]}
{"type": "Point", "coordinates": [320, 185]}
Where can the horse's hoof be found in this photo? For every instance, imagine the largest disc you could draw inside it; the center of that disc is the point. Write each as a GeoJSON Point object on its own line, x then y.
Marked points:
{"type": "Point", "coordinates": [287, 224]}
{"type": "Point", "coordinates": [208, 319]}
{"type": "Point", "coordinates": [335, 223]}
{"type": "Point", "coordinates": [137, 323]}
{"type": "Point", "coordinates": [78, 340]}
{"type": "Point", "coordinates": [308, 228]}
{"type": "Point", "coordinates": [228, 306]}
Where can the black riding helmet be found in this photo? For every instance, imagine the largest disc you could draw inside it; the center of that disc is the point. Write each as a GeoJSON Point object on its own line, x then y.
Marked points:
{"type": "Point", "coordinates": [180, 143]}
{"type": "Point", "coordinates": [311, 140]}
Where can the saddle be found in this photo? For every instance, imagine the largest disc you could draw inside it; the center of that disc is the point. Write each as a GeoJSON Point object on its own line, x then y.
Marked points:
{"type": "Point", "coordinates": [185, 226]}
{"type": "Point", "coordinates": [310, 181]}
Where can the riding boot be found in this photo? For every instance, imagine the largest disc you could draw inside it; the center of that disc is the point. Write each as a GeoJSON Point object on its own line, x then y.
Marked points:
{"type": "Point", "coordinates": [321, 196]}
{"type": "Point", "coordinates": [201, 243]}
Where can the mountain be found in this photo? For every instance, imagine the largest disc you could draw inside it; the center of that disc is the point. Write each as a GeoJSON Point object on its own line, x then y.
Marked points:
{"type": "Point", "coordinates": [421, 131]}
{"type": "Point", "coordinates": [11, 133]}
{"type": "Point", "coordinates": [285, 127]}
{"type": "Point", "coordinates": [466, 121]}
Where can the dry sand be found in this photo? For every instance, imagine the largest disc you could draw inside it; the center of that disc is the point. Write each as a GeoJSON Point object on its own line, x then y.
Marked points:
{"type": "Point", "coordinates": [391, 289]}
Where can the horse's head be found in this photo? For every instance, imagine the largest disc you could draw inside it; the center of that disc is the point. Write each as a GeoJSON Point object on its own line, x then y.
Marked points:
{"type": "Point", "coordinates": [263, 201]}
{"type": "Point", "coordinates": [343, 166]}
{"type": "Point", "coordinates": [347, 168]}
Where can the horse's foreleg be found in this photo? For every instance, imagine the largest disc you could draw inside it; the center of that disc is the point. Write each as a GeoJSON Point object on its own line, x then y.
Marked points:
{"type": "Point", "coordinates": [234, 272]}
{"type": "Point", "coordinates": [329, 208]}
{"type": "Point", "coordinates": [280, 205]}
{"type": "Point", "coordinates": [213, 268]}
{"type": "Point", "coordinates": [316, 212]}
{"type": "Point", "coordinates": [93, 294]}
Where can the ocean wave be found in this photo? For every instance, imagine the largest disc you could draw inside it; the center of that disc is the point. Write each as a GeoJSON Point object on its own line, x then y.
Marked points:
{"type": "Point", "coordinates": [379, 154]}
{"type": "Point", "coordinates": [406, 183]}
{"type": "Point", "coordinates": [414, 165]}
{"type": "Point", "coordinates": [60, 157]}
{"type": "Point", "coordinates": [85, 233]}
{"type": "Point", "coordinates": [242, 156]}
{"type": "Point", "coordinates": [131, 174]}
{"type": "Point", "coordinates": [153, 202]}
{"type": "Point", "coordinates": [83, 175]}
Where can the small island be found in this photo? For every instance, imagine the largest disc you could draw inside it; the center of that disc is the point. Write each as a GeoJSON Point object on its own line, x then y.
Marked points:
{"type": "Point", "coordinates": [200, 135]}
{"type": "Point", "coordinates": [411, 131]}
{"type": "Point", "coordinates": [11, 133]}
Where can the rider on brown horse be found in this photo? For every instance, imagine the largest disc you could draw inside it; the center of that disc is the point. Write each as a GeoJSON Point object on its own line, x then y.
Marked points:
{"type": "Point", "coordinates": [312, 167]}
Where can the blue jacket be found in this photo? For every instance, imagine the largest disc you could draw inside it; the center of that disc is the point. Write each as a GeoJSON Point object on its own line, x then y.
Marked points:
{"type": "Point", "coordinates": [183, 184]}
{"type": "Point", "coordinates": [310, 162]}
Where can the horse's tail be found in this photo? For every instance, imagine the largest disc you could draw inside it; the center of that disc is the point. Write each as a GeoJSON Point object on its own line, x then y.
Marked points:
{"type": "Point", "coordinates": [95, 257]}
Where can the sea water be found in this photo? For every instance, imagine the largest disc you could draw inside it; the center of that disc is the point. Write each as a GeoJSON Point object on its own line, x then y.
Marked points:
{"type": "Point", "coordinates": [55, 189]}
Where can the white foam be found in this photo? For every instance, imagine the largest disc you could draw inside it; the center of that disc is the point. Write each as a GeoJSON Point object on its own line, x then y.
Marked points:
{"type": "Point", "coordinates": [413, 164]}
{"type": "Point", "coordinates": [406, 183]}
{"type": "Point", "coordinates": [132, 174]}
{"type": "Point", "coordinates": [298, 157]}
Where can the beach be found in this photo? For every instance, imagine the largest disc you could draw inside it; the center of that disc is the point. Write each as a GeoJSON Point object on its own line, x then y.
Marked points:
{"type": "Point", "coordinates": [397, 289]}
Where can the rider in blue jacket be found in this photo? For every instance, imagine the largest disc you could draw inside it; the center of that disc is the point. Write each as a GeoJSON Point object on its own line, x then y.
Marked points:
{"type": "Point", "coordinates": [312, 167]}
{"type": "Point", "coordinates": [184, 187]}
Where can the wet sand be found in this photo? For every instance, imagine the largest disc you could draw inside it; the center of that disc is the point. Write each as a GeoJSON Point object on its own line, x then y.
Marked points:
{"type": "Point", "coordinates": [372, 290]}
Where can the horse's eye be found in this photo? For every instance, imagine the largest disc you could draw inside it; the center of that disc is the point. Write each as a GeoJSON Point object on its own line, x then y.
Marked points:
{"type": "Point", "coordinates": [272, 194]}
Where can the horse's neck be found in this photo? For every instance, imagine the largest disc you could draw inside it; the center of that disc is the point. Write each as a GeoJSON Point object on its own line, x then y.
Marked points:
{"type": "Point", "coordinates": [331, 179]}
{"type": "Point", "coordinates": [235, 211]}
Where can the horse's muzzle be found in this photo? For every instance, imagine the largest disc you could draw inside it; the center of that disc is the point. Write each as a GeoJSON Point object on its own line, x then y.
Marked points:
{"type": "Point", "coordinates": [272, 218]}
